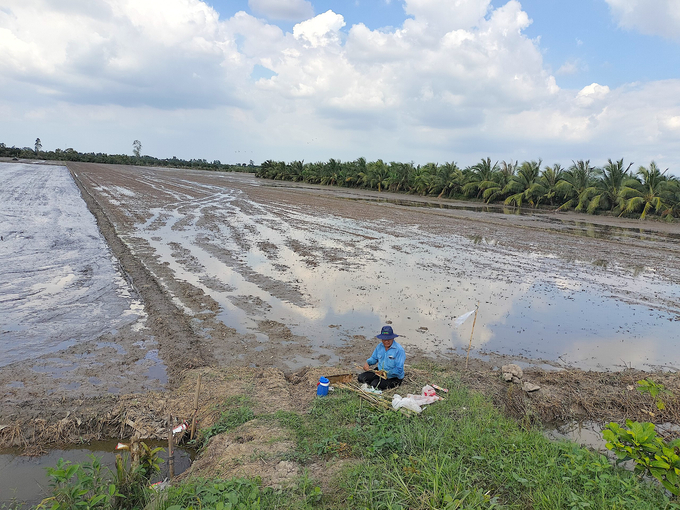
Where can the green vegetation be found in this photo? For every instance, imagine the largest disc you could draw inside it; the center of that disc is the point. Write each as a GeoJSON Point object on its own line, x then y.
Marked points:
{"type": "Point", "coordinates": [236, 411]}
{"type": "Point", "coordinates": [120, 159]}
{"type": "Point", "coordinates": [654, 390]}
{"type": "Point", "coordinates": [651, 454]}
{"type": "Point", "coordinates": [461, 453]}
{"type": "Point", "coordinates": [612, 189]}
{"type": "Point", "coordinates": [242, 494]}
{"type": "Point", "coordinates": [639, 442]}
{"type": "Point", "coordinates": [85, 486]}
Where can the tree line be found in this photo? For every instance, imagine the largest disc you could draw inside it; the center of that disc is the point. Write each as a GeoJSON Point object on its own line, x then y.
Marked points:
{"type": "Point", "coordinates": [615, 188]}
{"type": "Point", "coordinates": [119, 159]}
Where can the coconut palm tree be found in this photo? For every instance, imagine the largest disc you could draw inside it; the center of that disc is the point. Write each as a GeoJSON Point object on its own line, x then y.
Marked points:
{"type": "Point", "coordinates": [265, 169]}
{"type": "Point", "coordinates": [448, 180]}
{"type": "Point", "coordinates": [423, 177]}
{"type": "Point", "coordinates": [352, 171]}
{"type": "Point", "coordinates": [673, 210]}
{"type": "Point", "coordinates": [312, 173]}
{"type": "Point", "coordinates": [377, 174]}
{"type": "Point", "coordinates": [502, 178]}
{"type": "Point", "coordinates": [606, 193]}
{"type": "Point", "coordinates": [294, 171]}
{"type": "Point", "coordinates": [652, 192]}
{"type": "Point", "coordinates": [550, 180]}
{"type": "Point", "coordinates": [525, 186]}
{"type": "Point", "coordinates": [482, 178]}
{"type": "Point", "coordinates": [575, 181]}
{"type": "Point", "coordinates": [399, 176]}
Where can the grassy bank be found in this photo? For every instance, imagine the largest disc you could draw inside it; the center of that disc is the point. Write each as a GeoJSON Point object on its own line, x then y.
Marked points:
{"type": "Point", "coordinates": [268, 443]}
{"type": "Point", "coordinates": [459, 453]}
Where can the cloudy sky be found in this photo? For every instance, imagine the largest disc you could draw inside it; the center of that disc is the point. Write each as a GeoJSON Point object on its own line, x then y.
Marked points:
{"type": "Point", "coordinates": [404, 80]}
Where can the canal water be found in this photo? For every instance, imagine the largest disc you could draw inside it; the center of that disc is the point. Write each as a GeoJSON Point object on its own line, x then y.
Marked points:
{"type": "Point", "coordinates": [25, 480]}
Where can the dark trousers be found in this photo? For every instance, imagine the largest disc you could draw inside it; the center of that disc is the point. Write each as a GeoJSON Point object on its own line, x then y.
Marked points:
{"type": "Point", "coordinates": [373, 379]}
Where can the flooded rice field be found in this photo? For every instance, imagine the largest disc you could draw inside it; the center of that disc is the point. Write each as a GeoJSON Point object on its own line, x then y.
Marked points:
{"type": "Point", "coordinates": [63, 295]}
{"type": "Point", "coordinates": [59, 283]}
{"type": "Point", "coordinates": [332, 270]}
{"type": "Point", "coordinates": [235, 270]}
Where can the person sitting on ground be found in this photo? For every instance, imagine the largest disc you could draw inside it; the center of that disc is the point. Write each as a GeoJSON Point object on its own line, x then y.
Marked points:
{"type": "Point", "coordinates": [390, 357]}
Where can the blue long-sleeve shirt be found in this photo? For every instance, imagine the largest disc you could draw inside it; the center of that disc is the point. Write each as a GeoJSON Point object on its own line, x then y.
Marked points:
{"type": "Point", "coordinates": [391, 360]}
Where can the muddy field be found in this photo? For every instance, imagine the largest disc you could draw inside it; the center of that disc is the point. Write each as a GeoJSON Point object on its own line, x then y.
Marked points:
{"type": "Point", "coordinates": [238, 272]}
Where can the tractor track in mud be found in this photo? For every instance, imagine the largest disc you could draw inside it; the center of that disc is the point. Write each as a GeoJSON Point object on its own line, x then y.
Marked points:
{"type": "Point", "coordinates": [179, 345]}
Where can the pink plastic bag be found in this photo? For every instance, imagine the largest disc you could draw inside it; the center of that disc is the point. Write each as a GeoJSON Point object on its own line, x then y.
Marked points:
{"type": "Point", "coordinates": [429, 391]}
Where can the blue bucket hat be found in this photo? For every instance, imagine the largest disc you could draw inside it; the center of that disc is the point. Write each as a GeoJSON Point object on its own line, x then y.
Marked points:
{"type": "Point", "coordinates": [386, 333]}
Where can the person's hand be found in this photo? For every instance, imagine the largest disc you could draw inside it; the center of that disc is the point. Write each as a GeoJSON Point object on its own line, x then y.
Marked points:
{"type": "Point", "coordinates": [366, 366]}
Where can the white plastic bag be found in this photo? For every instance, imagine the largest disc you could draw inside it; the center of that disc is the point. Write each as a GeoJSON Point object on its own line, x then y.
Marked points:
{"type": "Point", "coordinates": [370, 389]}
{"type": "Point", "coordinates": [408, 403]}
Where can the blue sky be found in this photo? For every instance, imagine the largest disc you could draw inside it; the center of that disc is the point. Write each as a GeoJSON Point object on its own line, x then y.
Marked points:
{"type": "Point", "coordinates": [580, 32]}
{"type": "Point", "coordinates": [410, 80]}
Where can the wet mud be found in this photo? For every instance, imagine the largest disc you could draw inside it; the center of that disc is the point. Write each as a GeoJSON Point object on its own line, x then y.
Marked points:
{"type": "Point", "coordinates": [239, 272]}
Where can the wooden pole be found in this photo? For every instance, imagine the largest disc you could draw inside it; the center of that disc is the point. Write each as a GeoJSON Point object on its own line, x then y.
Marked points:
{"type": "Point", "coordinates": [471, 333]}
{"type": "Point", "coordinates": [134, 451]}
{"type": "Point", "coordinates": [171, 454]}
{"type": "Point", "coordinates": [193, 421]}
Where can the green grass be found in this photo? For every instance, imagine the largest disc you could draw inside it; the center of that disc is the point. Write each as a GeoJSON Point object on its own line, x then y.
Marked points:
{"type": "Point", "coordinates": [236, 411]}
{"type": "Point", "coordinates": [461, 453]}
{"type": "Point", "coordinates": [242, 494]}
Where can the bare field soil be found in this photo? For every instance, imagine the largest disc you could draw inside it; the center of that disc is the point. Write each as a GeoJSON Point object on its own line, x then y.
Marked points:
{"type": "Point", "coordinates": [251, 281]}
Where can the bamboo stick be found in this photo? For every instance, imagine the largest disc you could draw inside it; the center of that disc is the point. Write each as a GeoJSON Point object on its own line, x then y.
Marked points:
{"type": "Point", "coordinates": [134, 451]}
{"type": "Point", "coordinates": [171, 455]}
{"type": "Point", "coordinates": [471, 333]}
{"type": "Point", "coordinates": [193, 421]}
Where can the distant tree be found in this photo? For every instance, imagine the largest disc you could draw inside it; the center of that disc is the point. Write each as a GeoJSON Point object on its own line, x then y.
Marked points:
{"type": "Point", "coordinates": [525, 185]}
{"type": "Point", "coordinates": [38, 145]}
{"type": "Point", "coordinates": [137, 148]}
{"type": "Point", "coordinates": [482, 178]}
{"type": "Point", "coordinates": [606, 193]}
{"type": "Point", "coordinates": [251, 163]}
{"type": "Point", "coordinates": [575, 185]}
{"type": "Point", "coordinates": [653, 192]}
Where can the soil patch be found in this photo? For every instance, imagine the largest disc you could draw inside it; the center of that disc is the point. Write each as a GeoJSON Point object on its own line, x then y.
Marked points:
{"type": "Point", "coordinates": [252, 450]}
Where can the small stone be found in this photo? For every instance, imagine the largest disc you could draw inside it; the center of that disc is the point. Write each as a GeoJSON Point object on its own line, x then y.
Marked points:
{"type": "Point", "coordinates": [529, 387]}
{"type": "Point", "coordinates": [512, 372]}
{"type": "Point", "coordinates": [516, 379]}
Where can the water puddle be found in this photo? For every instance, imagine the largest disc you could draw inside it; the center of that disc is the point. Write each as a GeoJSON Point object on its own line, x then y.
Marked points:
{"type": "Point", "coordinates": [578, 228]}
{"type": "Point", "coordinates": [453, 206]}
{"type": "Point", "coordinates": [24, 479]}
{"type": "Point", "coordinates": [589, 435]}
{"type": "Point", "coordinates": [61, 285]}
{"type": "Point", "coordinates": [278, 261]}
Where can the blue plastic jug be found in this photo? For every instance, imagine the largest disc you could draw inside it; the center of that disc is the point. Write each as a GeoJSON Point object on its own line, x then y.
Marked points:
{"type": "Point", "coordinates": [322, 387]}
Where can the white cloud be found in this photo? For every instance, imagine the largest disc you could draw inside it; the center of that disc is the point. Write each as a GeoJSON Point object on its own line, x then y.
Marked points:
{"type": "Point", "coordinates": [591, 93]}
{"type": "Point", "coordinates": [672, 123]}
{"type": "Point", "coordinates": [652, 17]}
{"type": "Point", "coordinates": [572, 66]}
{"type": "Point", "coordinates": [459, 82]}
{"type": "Point", "coordinates": [321, 30]}
{"type": "Point", "coordinates": [166, 53]}
{"type": "Point", "coordinates": [289, 10]}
